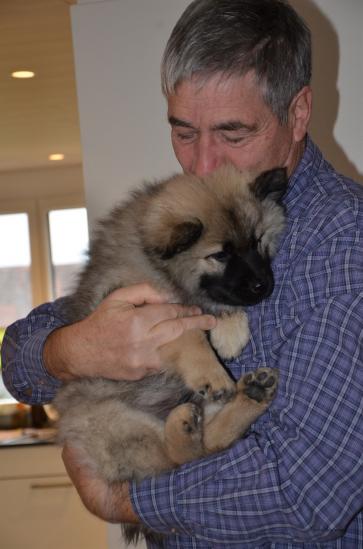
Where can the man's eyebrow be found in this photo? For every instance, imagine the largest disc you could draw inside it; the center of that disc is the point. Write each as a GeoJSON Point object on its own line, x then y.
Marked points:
{"type": "Point", "coordinates": [228, 125]}
{"type": "Point", "coordinates": [233, 125]}
{"type": "Point", "coordinates": [173, 121]}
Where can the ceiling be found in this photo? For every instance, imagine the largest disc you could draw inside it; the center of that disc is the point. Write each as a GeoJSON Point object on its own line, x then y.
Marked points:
{"type": "Point", "coordinates": [38, 116]}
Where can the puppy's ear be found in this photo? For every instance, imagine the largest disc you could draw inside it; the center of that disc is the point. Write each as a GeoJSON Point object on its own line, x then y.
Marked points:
{"type": "Point", "coordinates": [182, 236]}
{"type": "Point", "coordinates": [271, 184]}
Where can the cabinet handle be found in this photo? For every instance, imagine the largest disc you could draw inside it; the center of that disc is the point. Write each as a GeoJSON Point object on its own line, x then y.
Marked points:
{"type": "Point", "coordinates": [50, 485]}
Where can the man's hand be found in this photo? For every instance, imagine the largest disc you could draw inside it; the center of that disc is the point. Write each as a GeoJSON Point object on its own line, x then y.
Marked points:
{"type": "Point", "coordinates": [122, 337]}
{"type": "Point", "coordinates": [110, 502]}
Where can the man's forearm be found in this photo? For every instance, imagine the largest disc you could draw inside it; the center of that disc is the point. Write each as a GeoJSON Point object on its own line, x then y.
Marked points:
{"type": "Point", "coordinates": [122, 504]}
{"type": "Point", "coordinates": [110, 502]}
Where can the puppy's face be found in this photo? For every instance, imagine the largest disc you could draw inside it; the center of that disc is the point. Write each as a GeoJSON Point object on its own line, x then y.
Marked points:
{"type": "Point", "coordinates": [237, 275]}
{"type": "Point", "coordinates": [218, 249]}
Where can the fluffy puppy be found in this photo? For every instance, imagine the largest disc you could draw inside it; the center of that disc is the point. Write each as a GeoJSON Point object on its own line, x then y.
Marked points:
{"type": "Point", "coordinates": [209, 242]}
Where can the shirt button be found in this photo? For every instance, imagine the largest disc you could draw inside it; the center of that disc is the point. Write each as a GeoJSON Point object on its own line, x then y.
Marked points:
{"type": "Point", "coordinates": [173, 531]}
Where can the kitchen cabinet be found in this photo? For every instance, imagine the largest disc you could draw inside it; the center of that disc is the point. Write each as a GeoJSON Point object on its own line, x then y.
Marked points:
{"type": "Point", "coordinates": [39, 508]}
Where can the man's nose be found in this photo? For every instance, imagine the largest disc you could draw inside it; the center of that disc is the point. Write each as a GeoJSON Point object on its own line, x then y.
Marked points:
{"type": "Point", "coordinates": [206, 157]}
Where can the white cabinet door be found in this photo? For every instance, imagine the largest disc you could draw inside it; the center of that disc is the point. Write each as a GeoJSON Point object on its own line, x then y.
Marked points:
{"type": "Point", "coordinates": [39, 508]}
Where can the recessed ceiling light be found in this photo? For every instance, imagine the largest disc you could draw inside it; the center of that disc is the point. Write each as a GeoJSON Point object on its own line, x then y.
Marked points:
{"type": "Point", "coordinates": [23, 74]}
{"type": "Point", "coordinates": [57, 156]}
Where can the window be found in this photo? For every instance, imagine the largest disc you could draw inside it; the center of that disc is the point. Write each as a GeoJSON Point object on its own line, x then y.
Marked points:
{"type": "Point", "coordinates": [15, 264]}
{"type": "Point", "coordinates": [43, 247]}
{"type": "Point", "coordinates": [68, 245]}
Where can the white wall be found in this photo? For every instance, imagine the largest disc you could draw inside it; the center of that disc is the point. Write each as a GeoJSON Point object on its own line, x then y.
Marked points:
{"type": "Point", "coordinates": [337, 124]}
{"type": "Point", "coordinates": [125, 137]}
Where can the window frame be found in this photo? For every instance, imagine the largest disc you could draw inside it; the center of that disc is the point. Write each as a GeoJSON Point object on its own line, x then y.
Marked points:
{"type": "Point", "coordinates": [37, 211]}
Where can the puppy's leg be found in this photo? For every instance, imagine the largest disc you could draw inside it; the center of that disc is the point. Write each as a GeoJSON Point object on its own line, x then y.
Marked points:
{"type": "Point", "coordinates": [184, 433]}
{"type": "Point", "coordinates": [230, 335]}
{"type": "Point", "coordinates": [194, 360]}
{"type": "Point", "coordinates": [255, 391]}
{"type": "Point", "coordinates": [141, 455]}
{"type": "Point", "coordinates": [118, 441]}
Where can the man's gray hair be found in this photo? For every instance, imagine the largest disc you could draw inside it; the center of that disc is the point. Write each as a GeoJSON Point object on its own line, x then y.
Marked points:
{"type": "Point", "coordinates": [232, 37]}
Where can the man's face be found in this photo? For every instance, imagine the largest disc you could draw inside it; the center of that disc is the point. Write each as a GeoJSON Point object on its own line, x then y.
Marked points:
{"type": "Point", "coordinates": [227, 121]}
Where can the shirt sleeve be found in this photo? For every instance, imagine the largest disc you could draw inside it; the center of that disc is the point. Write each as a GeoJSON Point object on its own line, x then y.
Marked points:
{"type": "Point", "coordinates": [299, 474]}
{"type": "Point", "coordinates": [23, 369]}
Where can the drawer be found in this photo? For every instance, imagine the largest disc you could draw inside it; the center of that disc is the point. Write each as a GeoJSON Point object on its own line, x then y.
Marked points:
{"type": "Point", "coordinates": [30, 461]}
{"type": "Point", "coordinates": [46, 512]}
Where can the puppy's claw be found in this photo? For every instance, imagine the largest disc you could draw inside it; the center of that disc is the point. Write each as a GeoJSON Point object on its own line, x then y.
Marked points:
{"type": "Point", "coordinates": [205, 391]}
{"type": "Point", "coordinates": [216, 385]}
{"type": "Point", "coordinates": [191, 417]}
{"type": "Point", "coordinates": [223, 395]}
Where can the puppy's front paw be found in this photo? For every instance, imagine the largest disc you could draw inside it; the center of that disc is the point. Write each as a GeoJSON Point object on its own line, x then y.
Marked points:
{"type": "Point", "coordinates": [230, 335]}
{"type": "Point", "coordinates": [259, 385]}
{"type": "Point", "coordinates": [217, 385]}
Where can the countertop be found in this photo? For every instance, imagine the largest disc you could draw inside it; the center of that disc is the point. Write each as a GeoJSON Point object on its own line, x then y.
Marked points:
{"type": "Point", "coordinates": [26, 437]}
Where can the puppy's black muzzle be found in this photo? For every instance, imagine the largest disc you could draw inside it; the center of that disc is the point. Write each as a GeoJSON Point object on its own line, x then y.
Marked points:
{"type": "Point", "coordinates": [247, 280]}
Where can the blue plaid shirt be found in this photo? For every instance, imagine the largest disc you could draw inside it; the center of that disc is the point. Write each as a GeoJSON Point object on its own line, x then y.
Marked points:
{"type": "Point", "coordinates": [297, 480]}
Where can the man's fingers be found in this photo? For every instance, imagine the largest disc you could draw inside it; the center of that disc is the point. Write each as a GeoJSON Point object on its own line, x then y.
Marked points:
{"type": "Point", "coordinates": [143, 294]}
{"type": "Point", "coordinates": [152, 315]}
{"type": "Point", "coordinates": [171, 329]}
{"type": "Point", "coordinates": [201, 322]}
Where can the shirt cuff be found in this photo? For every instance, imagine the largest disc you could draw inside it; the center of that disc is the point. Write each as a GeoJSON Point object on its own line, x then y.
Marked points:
{"type": "Point", "coordinates": [32, 356]}
{"type": "Point", "coordinates": [29, 381]}
{"type": "Point", "coordinates": [155, 502]}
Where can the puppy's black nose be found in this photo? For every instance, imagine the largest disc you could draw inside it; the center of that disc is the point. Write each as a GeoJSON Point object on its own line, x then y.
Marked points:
{"type": "Point", "coordinates": [257, 287]}
{"type": "Point", "coordinates": [261, 288]}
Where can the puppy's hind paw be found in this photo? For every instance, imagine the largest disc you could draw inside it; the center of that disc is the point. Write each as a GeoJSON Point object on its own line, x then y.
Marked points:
{"type": "Point", "coordinates": [259, 385]}
{"type": "Point", "coordinates": [184, 433]}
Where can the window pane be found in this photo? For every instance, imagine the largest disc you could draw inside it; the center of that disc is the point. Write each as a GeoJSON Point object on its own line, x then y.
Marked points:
{"type": "Point", "coordinates": [15, 275]}
{"type": "Point", "coordinates": [68, 231]}
{"type": "Point", "coordinates": [15, 264]}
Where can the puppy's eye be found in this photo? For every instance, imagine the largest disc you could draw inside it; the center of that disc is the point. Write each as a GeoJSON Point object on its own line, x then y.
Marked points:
{"type": "Point", "coordinates": [221, 256]}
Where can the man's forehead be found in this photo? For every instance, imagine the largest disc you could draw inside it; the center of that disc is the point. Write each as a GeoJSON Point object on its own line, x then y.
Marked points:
{"type": "Point", "coordinates": [217, 84]}
{"type": "Point", "coordinates": [229, 115]}
{"type": "Point", "coordinates": [220, 101]}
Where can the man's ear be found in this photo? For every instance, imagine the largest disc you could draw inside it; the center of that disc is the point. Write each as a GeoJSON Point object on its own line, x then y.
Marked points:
{"type": "Point", "coordinates": [182, 236]}
{"type": "Point", "coordinates": [300, 113]}
{"type": "Point", "coordinates": [271, 184]}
